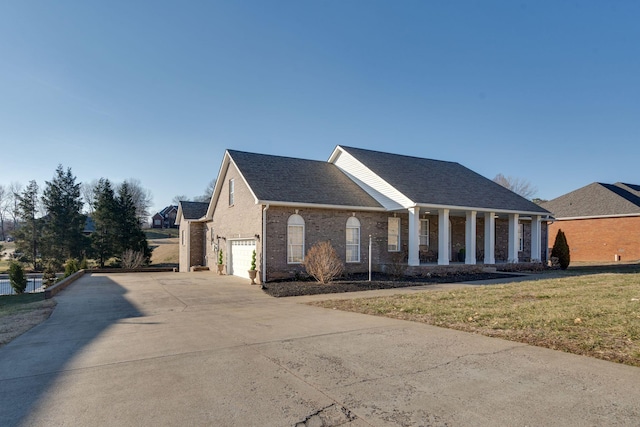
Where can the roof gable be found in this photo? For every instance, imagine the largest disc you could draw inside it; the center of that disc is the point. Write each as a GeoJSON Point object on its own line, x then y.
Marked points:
{"type": "Point", "coordinates": [597, 199]}
{"type": "Point", "coordinates": [441, 183]}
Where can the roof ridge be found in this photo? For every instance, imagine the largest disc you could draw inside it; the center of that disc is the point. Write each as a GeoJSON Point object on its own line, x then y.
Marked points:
{"type": "Point", "coordinates": [346, 147]}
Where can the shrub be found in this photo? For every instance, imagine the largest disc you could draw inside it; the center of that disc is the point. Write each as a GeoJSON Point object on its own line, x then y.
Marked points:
{"type": "Point", "coordinates": [253, 261]}
{"type": "Point", "coordinates": [49, 276]}
{"type": "Point", "coordinates": [70, 267]}
{"type": "Point", "coordinates": [17, 278]}
{"type": "Point", "coordinates": [322, 263]}
{"type": "Point", "coordinates": [220, 259]}
{"type": "Point", "coordinates": [398, 266]}
{"type": "Point", "coordinates": [132, 259]}
{"type": "Point", "coordinates": [84, 264]}
{"type": "Point", "coordinates": [561, 250]}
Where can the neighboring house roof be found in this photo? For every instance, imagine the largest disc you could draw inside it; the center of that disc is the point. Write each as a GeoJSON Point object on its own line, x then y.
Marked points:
{"type": "Point", "coordinates": [89, 226]}
{"type": "Point", "coordinates": [597, 200]}
{"type": "Point", "coordinates": [292, 180]}
{"type": "Point", "coordinates": [440, 183]}
{"type": "Point", "coordinates": [191, 210]}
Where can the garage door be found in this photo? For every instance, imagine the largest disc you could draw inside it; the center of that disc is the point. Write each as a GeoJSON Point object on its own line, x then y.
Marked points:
{"type": "Point", "coordinates": [241, 252]}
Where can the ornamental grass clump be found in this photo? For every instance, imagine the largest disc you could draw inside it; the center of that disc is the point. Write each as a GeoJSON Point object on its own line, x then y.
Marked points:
{"type": "Point", "coordinates": [322, 263]}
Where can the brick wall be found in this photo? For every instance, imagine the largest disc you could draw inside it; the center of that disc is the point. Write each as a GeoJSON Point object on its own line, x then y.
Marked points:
{"type": "Point", "coordinates": [197, 236]}
{"type": "Point", "coordinates": [241, 220]}
{"type": "Point", "coordinates": [600, 239]}
{"type": "Point", "coordinates": [326, 224]}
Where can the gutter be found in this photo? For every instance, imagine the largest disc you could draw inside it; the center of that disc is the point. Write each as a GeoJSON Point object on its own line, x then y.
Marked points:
{"type": "Point", "coordinates": [264, 244]}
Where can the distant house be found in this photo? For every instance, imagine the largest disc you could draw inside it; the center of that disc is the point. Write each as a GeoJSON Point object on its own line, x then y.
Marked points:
{"type": "Point", "coordinates": [415, 211]}
{"type": "Point", "coordinates": [600, 221]}
{"type": "Point", "coordinates": [166, 218]}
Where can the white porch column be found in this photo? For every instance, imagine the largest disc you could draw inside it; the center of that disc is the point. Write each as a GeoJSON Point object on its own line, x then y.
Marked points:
{"type": "Point", "coordinates": [470, 238]}
{"type": "Point", "coordinates": [489, 238]}
{"type": "Point", "coordinates": [414, 236]}
{"type": "Point", "coordinates": [443, 237]}
{"type": "Point", "coordinates": [536, 238]}
{"type": "Point", "coordinates": [514, 243]}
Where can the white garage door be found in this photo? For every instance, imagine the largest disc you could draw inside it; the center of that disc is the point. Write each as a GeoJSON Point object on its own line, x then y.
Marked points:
{"type": "Point", "coordinates": [241, 252]}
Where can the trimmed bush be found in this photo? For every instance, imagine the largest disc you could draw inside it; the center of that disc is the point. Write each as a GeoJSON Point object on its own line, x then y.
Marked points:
{"type": "Point", "coordinates": [253, 261]}
{"type": "Point", "coordinates": [49, 276]}
{"type": "Point", "coordinates": [561, 250]}
{"type": "Point", "coordinates": [322, 263]}
{"type": "Point", "coordinates": [70, 267]}
{"type": "Point", "coordinates": [17, 278]}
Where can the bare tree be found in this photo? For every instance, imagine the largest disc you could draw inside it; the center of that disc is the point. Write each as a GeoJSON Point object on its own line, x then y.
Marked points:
{"type": "Point", "coordinates": [322, 262]}
{"type": "Point", "coordinates": [4, 199]}
{"type": "Point", "coordinates": [142, 198]}
{"type": "Point", "coordinates": [15, 189]}
{"type": "Point", "coordinates": [518, 185]}
{"type": "Point", "coordinates": [179, 198]}
{"type": "Point", "coordinates": [88, 192]}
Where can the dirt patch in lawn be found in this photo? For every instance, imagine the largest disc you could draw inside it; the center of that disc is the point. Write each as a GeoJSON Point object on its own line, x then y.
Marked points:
{"type": "Point", "coordinates": [379, 281]}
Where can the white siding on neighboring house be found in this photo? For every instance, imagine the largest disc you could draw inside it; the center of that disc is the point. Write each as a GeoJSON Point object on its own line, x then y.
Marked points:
{"type": "Point", "coordinates": [377, 188]}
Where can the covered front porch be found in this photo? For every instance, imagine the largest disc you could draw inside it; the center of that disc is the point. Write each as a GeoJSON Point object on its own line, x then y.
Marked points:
{"type": "Point", "coordinates": [443, 236]}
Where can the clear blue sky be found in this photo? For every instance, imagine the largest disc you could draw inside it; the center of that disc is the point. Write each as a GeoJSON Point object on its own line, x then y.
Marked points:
{"type": "Point", "coordinates": [547, 91]}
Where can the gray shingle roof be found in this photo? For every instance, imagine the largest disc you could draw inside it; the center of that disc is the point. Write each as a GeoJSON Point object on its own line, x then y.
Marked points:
{"type": "Point", "coordinates": [194, 210]}
{"type": "Point", "coordinates": [437, 182]}
{"type": "Point", "coordinates": [287, 179]}
{"type": "Point", "coordinates": [597, 199]}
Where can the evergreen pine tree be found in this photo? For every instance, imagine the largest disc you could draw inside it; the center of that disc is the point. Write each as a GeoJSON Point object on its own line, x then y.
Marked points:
{"type": "Point", "coordinates": [62, 229]}
{"type": "Point", "coordinates": [28, 235]}
{"type": "Point", "coordinates": [130, 234]}
{"type": "Point", "coordinates": [105, 216]}
{"type": "Point", "coordinates": [561, 250]}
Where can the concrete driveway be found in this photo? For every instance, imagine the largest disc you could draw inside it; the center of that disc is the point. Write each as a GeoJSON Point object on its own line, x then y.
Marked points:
{"type": "Point", "coordinates": [195, 349]}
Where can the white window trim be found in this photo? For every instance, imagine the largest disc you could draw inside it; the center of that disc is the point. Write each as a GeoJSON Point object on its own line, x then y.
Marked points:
{"type": "Point", "coordinates": [422, 231]}
{"type": "Point", "coordinates": [232, 188]}
{"type": "Point", "coordinates": [353, 224]}
{"type": "Point", "coordinates": [398, 235]}
{"type": "Point", "coordinates": [295, 221]}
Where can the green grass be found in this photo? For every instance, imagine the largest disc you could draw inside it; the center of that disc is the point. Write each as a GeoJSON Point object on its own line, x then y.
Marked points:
{"type": "Point", "coordinates": [11, 304]}
{"type": "Point", "coordinates": [591, 313]}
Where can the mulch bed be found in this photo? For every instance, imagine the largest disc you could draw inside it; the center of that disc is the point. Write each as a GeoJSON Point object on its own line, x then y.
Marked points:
{"type": "Point", "coordinates": [360, 283]}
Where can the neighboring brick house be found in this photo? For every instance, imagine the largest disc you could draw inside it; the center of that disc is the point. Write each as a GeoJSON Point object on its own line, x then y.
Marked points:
{"type": "Point", "coordinates": [192, 232]}
{"type": "Point", "coordinates": [417, 211]}
{"type": "Point", "coordinates": [601, 222]}
{"type": "Point", "coordinates": [166, 218]}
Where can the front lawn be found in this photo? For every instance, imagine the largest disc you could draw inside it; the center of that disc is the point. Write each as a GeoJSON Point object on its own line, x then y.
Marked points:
{"type": "Point", "coordinates": [595, 313]}
{"type": "Point", "coordinates": [19, 313]}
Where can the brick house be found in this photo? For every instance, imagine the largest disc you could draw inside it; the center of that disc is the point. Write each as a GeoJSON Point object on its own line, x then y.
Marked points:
{"type": "Point", "coordinates": [601, 222]}
{"type": "Point", "coordinates": [416, 211]}
{"type": "Point", "coordinates": [166, 218]}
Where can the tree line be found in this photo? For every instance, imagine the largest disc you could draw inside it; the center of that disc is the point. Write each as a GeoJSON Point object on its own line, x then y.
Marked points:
{"type": "Point", "coordinates": [49, 227]}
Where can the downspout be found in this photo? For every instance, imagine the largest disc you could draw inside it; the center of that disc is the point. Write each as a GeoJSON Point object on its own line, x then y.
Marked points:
{"type": "Point", "coordinates": [264, 244]}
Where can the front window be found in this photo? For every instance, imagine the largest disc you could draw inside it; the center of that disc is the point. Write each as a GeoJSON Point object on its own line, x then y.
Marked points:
{"type": "Point", "coordinates": [424, 232]}
{"type": "Point", "coordinates": [295, 239]}
{"type": "Point", "coordinates": [353, 240]}
{"type": "Point", "coordinates": [393, 236]}
{"type": "Point", "coordinates": [231, 190]}
{"type": "Point", "coordinates": [521, 236]}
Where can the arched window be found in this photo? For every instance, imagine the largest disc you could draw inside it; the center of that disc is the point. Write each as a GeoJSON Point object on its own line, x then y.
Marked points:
{"type": "Point", "coordinates": [295, 239]}
{"type": "Point", "coordinates": [353, 240]}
